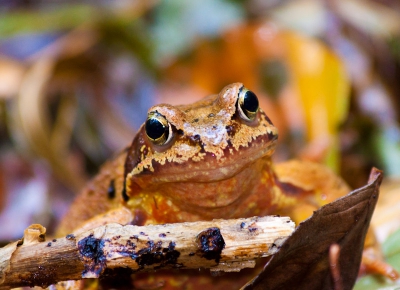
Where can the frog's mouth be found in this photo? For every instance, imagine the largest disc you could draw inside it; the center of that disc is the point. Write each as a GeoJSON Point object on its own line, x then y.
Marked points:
{"type": "Point", "coordinates": [211, 170]}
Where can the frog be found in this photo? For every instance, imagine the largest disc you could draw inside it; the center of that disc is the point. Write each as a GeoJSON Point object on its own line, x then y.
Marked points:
{"type": "Point", "coordinates": [211, 159]}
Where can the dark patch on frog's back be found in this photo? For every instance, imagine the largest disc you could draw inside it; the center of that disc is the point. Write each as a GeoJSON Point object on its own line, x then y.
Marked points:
{"type": "Point", "coordinates": [124, 194]}
{"type": "Point", "coordinates": [111, 189]}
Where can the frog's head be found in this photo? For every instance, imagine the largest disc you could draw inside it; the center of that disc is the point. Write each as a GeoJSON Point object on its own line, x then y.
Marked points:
{"type": "Point", "coordinates": [207, 143]}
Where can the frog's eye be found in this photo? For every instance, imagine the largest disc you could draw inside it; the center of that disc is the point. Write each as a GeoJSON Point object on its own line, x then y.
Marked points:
{"type": "Point", "coordinates": [247, 104]}
{"type": "Point", "coordinates": [158, 129]}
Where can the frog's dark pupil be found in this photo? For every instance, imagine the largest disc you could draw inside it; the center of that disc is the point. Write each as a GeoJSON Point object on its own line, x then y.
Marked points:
{"type": "Point", "coordinates": [155, 129]}
{"type": "Point", "coordinates": [250, 102]}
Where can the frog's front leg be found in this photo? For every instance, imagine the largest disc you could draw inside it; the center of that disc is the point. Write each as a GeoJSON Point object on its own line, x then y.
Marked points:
{"type": "Point", "coordinates": [102, 194]}
{"type": "Point", "coordinates": [120, 215]}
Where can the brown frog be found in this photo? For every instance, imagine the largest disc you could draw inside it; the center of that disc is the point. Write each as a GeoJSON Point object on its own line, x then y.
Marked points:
{"type": "Point", "coordinates": [210, 159]}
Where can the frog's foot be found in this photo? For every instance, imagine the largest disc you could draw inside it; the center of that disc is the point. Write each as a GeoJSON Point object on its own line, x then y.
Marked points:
{"type": "Point", "coordinates": [120, 215]}
{"type": "Point", "coordinates": [372, 262]}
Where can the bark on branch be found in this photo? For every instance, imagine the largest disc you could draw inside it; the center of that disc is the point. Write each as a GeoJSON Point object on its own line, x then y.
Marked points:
{"type": "Point", "coordinates": [220, 245]}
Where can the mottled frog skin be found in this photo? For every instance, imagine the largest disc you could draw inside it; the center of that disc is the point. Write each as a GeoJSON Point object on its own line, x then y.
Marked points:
{"type": "Point", "coordinates": [210, 159]}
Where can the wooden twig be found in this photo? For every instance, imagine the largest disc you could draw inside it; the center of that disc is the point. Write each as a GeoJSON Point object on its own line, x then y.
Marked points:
{"type": "Point", "coordinates": [221, 245]}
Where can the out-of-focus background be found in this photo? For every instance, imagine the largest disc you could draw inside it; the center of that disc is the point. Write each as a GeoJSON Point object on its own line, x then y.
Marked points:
{"type": "Point", "coordinates": [77, 78]}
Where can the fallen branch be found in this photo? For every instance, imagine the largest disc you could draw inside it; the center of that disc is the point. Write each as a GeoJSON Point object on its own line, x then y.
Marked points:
{"type": "Point", "coordinates": [220, 245]}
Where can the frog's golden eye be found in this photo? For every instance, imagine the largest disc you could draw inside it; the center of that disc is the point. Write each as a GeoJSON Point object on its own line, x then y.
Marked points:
{"type": "Point", "coordinates": [247, 104]}
{"type": "Point", "coordinates": [158, 129]}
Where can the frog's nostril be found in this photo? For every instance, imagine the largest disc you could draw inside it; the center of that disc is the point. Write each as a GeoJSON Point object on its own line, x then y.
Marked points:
{"type": "Point", "coordinates": [195, 138]}
{"type": "Point", "coordinates": [230, 130]}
